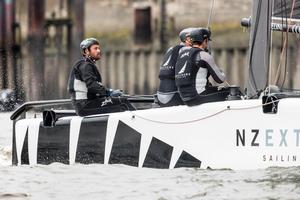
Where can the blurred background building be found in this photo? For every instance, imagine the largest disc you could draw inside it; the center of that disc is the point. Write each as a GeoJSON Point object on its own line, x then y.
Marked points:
{"type": "Point", "coordinates": [39, 41]}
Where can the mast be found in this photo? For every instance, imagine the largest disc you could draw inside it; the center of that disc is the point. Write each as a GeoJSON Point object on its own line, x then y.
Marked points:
{"type": "Point", "coordinates": [259, 47]}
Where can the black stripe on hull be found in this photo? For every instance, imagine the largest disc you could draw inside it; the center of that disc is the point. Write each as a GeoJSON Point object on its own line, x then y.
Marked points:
{"type": "Point", "coordinates": [158, 155]}
{"type": "Point", "coordinates": [91, 141]}
{"type": "Point", "coordinates": [53, 143]}
{"type": "Point", "coordinates": [126, 146]}
{"type": "Point", "coordinates": [25, 155]}
{"type": "Point", "coordinates": [187, 160]}
{"type": "Point", "coordinates": [14, 145]}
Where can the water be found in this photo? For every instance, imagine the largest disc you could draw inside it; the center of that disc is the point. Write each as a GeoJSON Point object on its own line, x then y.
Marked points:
{"type": "Point", "coordinates": [5, 138]}
{"type": "Point", "coordinates": [96, 181]}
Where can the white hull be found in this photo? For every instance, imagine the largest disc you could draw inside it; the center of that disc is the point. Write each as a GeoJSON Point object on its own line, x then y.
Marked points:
{"type": "Point", "coordinates": [210, 132]}
{"type": "Point", "coordinates": [230, 134]}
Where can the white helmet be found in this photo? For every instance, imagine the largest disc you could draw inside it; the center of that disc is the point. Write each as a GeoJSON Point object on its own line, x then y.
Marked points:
{"type": "Point", "coordinates": [86, 43]}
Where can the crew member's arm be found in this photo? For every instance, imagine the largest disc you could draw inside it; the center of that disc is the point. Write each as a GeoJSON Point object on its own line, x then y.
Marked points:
{"type": "Point", "coordinates": [91, 80]}
{"type": "Point", "coordinates": [208, 61]}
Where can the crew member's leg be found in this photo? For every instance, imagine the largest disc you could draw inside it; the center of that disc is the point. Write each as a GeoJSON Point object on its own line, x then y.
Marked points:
{"type": "Point", "coordinates": [166, 100]}
{"type": "Point", "coordinates": [211, 94]}
{"type": "Point", "coordinates": [102, 105]}
{"type": "Point", "coordinates": [123, 103]}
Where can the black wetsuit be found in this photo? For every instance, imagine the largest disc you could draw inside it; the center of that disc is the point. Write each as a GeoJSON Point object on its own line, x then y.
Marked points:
{"type": "Point", "coordinates": [88, 94]}
{"type": "Point", "coordinates": [167, 93]}
{"type": "Point", "coordinates": [193, 68]}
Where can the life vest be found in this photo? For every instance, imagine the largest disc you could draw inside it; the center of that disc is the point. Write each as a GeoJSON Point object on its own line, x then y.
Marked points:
{"type": "Point", "coordinates": [78, 88]}
{"type": "Point", "coordinates": [167, 68]}
{"type": "Point", "coordinates": [186, 69]}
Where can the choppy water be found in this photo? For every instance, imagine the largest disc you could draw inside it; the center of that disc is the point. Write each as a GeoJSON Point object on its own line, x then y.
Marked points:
{"type": "Point", "coordinates": [58, 181]}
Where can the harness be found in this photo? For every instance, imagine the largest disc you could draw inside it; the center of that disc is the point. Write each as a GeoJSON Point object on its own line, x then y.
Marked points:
{"type": "Point", "coordinates": [185, 70]}
{"type": "Point", "coordinates": [167, 68]}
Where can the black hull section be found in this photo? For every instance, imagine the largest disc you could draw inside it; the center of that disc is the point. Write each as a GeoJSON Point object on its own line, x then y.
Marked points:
{"type": "Point", "coordinates": [126, 146]}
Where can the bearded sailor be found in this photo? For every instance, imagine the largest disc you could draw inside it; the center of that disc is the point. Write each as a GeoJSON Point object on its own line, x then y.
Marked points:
{"type": "Point", "coordinates": [89, 96]}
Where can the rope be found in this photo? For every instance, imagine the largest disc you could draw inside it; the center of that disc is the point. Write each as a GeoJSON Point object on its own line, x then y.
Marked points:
{"type": "Point", "coordinates": [203, 118]}
{"type": "Point", "coordinates": [210, 13]}
{"type": "Point", "coordinates": [284, 47]}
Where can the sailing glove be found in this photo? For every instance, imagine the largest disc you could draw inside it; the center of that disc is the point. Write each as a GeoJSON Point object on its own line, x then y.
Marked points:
{"type": "Point", "coordinates": [114, 93]}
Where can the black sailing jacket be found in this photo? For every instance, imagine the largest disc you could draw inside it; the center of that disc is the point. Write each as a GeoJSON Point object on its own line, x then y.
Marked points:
{"type": "Point", "coordinates": [85, 81]}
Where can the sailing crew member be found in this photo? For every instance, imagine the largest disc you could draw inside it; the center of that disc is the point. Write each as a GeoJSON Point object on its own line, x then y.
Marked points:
{"type": "Point", "coordinates": [167, 94]}
{"type": "Point", "coordinates": [89, 96]}
{"type": "Point", "coordinates": [193, 68]}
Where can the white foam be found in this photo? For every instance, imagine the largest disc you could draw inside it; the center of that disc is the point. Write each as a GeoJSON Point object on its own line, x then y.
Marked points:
{"type": "Point", "coordinates": [5, 155]}
{"type": "Point", "coordinates": [5, 138]}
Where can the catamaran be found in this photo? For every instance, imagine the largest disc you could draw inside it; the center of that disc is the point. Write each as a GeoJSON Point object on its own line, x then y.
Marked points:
{"type": "Point", "coordinates": [256, 130]}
